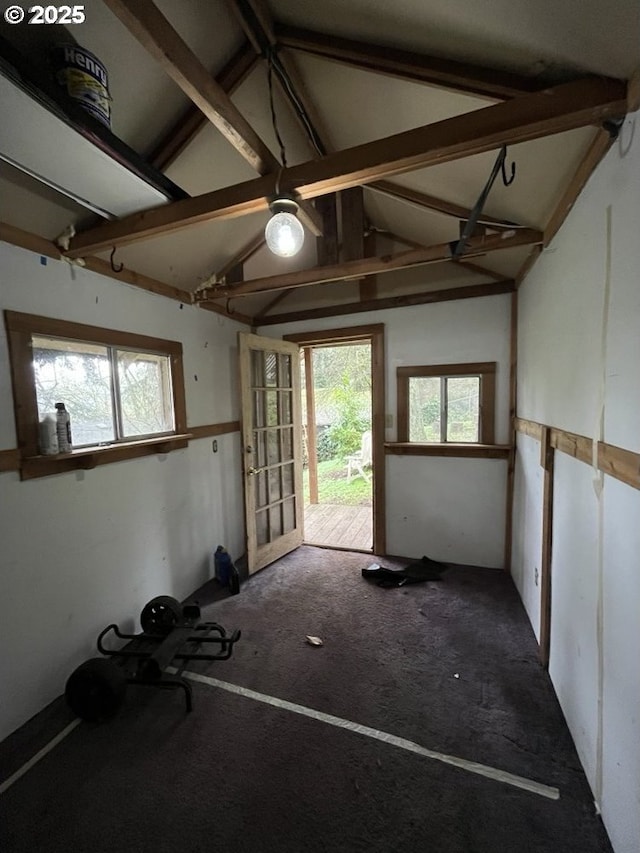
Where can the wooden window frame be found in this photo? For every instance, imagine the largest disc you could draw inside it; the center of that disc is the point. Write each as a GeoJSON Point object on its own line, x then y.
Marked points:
{"type": "Point", "coordinates": [20, 329]}
{"type": "Point", "coordinates": [486, 370]}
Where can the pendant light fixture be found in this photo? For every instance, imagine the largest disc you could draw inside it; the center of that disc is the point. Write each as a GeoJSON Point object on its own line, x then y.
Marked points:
{"type": "Point", "coordinates": [284, 233]}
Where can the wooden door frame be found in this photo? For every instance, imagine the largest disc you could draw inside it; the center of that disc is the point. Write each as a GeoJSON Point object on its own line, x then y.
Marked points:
{"type": "Point", "coordinates": [374, 334]}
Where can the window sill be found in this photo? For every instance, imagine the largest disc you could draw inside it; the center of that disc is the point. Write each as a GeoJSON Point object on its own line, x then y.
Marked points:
{"type": "Point", "coordinates": [86, 458]}
{"type": "Point", "coordinates": [474, 451]}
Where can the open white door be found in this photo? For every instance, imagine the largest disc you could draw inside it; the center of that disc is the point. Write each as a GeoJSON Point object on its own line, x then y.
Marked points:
{"type": "Point", "coordinates": [271, 447]}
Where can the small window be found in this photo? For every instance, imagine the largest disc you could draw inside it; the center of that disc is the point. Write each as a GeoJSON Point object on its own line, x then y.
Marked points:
{"type": "Point", "coordinates": [446, 403]}
{"type": "Point", "coordinates": [117, 387]}
{"type": "Point", "coordinates": [111, 394]}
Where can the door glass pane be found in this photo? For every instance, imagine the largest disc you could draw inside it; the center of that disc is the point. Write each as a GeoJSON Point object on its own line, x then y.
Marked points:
{"type": "Point", "coordinates": [78, 375]}
{"type": "Point", "coordinates": [285, 407]}
{"type": "Point", "coordinates": [272, 408]}
{"type": "Point", "coordinates": [284, 361]}
{"type": "Point", "coordinates": [262, 499]}
{"type": "Point", "coordinates": [146, 401]}
{"type": "Point", "coordinates": [259, 448]}
{"type": "Point", "coordinates": [258, 409]}
{"type": "Point", "coordinates": [257, 368]}
{"type": "Point", "coordinates": [287, 444]}
{"type": "Point", "coordinates": [424, 408]}
{"type": "Point", "coordinates": [275, 491]}
{"type": "Point", "coordinates": [262, 533]}
{"type": "Point", "coordinates": [275, 522]}
{"type": "Point", "coordinates": [287, 479]}
{"type": "Point", "coordinates": [288, 515]}
{"type": "Point", "coordinates": [273, 446]}
{"type": "Point", "coordinates": [271, 369]}
{"type": "Point", "coordinates": [463, 395]}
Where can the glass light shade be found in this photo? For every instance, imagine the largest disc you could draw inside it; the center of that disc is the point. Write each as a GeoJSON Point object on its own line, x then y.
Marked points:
{"type": "Point", "coordinates": [284, 232]}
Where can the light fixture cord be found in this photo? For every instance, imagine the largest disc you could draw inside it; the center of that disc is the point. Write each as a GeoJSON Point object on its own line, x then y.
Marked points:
{"type": "Point", "coordinates": [274, 120]}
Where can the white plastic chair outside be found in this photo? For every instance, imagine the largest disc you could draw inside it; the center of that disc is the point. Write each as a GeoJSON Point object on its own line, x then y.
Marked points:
{"type": "Point", "coordinates": [362, 459]}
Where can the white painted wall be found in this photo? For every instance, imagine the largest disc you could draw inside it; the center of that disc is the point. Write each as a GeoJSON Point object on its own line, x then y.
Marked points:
{"type": "Point", "coordinates": [527, 526]}
{"type": "Point", "coordinates": [579, 349]}
{"type": "Point", "coordinates": [83, 549]}
{"type": "Point", "coordinates": [448, 509]}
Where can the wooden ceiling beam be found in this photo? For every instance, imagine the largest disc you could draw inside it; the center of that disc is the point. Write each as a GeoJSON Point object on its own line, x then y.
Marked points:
{"type": "Point", "coordinates": [566, 107]}
{"type": "Point", "coordinates": [468, 264]}
{"type": "Point", "coordinates": [398, 238]}
{"type": "Point", "coordinates": [193, 119]}
{"type": "Point", "coordinates": [277, 299]}
{"type": "Point", "coordinates": [41, 246]}
{"type": "Point", "coordinates": [351, 270]}
{"type": "Point", "coordinates": [438, 205]}
{"type": "Point", "coordinates": [420, 68]}
{"type": "Point", "coordinates": [247, 251]}
{"type": "Point", "coordinates": [146, 23]}
{"type": "Point", "coordinates": [149, 26]}
{"type": "Point", "coordinates": [598, 147]}
{"type": "Point", "coordinates": [472, 291]}
{"type": "Point", "coordinates": [327, 246]}
{"type": "Point", "coordinates": [353, 224]}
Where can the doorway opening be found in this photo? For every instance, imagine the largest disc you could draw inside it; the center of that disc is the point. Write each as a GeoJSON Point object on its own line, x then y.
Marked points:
{"type": "Point", "coordinates": [337, 445]}
{"type": "Point", "coordinates": [373, 337]}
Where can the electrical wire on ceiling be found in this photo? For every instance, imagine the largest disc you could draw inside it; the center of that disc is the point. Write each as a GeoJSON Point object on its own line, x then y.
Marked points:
{"type": "Point", "coordinates": [274, 119]}
{"type": "Point", "coordinates": [275, 66]}
{"type": "Point", "coordinates": [269, 52]}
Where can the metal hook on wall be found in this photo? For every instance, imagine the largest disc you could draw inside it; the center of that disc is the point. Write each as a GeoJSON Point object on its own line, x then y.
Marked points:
{"type": "Point", "coordinates": [115, 268]}
{"type": "Point", "coordinates": [458, 247]}
{"type": "Point", "coordinates": [506, 181]}
{"type": "Point", "coordinates": [229, 309]}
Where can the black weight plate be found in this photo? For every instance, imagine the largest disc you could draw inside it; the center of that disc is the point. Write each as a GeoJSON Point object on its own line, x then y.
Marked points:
{"type": "Point", "coordinates": [95, 690]}
{"type": "Point", "coordinates": [160, 615]}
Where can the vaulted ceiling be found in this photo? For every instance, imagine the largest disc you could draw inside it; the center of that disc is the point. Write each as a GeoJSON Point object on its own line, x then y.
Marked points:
{"type": "Point", "coordinates": [391, 117]}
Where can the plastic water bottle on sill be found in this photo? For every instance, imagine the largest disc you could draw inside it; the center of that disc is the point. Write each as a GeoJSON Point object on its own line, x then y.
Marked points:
{"type": "Point", "coordinates": [63, 424]}
{"type": "Point", "coordinates": [48, 429]}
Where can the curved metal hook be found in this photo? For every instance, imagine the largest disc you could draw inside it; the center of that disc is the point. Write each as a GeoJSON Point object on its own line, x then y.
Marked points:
{"type": "Point", "coordinates": [229, 309]}
{"type": "Point", "coordinates": [507, 181]}
{"type": "Point", "coordinates": [115, 268]}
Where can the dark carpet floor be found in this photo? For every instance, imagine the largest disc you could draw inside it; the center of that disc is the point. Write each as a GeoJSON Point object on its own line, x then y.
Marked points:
{"type": "Point", "coordinates": [450, 665]}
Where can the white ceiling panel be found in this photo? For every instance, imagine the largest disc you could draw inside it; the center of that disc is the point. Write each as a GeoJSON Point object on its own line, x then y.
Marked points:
{"type": "Point", "coordinates": [520, 35]}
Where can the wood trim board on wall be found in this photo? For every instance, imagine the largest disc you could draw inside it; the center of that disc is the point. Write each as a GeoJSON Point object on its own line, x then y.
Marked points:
{"type": "Point", "coordinates": [617, 462]}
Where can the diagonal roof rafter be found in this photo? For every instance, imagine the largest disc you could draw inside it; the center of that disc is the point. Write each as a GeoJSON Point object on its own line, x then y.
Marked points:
{"type": "Point", "coordinates": [437, 205]}
{"type": "Point", "coordinates": [489, 83]}
{"type": "Point", "coordinates": [192, 120]}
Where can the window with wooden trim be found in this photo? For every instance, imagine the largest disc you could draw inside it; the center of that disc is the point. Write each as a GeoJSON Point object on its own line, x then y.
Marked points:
{"type": "Point", "coordinates": [124, 392]}
{"type": "Point", "coordinates": [447, 403]}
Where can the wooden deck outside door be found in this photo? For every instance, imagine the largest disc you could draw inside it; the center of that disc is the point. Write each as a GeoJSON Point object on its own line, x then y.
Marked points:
{"type": "Point", "coordinates": [271, 447]}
